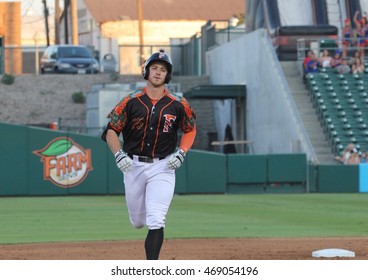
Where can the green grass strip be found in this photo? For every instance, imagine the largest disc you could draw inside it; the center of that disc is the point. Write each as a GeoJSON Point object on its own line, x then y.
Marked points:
{"type": "Point", "coordinates": [87, 218]}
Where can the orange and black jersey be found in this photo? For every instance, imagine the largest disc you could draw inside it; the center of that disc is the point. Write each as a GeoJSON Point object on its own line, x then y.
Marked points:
{"type": "Point", "coordinates": [147, 129]}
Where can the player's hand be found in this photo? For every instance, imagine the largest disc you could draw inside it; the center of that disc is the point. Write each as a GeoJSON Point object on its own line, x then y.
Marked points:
{"type": "Point", "coordinates": [123, 161]}
{"type": "Point", "coordinates": [176, 159]}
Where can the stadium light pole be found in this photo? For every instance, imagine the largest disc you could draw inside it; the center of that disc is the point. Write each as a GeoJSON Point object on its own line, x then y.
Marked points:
{"type": "Point", "coordinates": [46, 15]}
{"type": "Point", "coordinates": [36, 38]}
{"type": "Point", "coordinates": [74, 15]}
{"type": "Point", "coordinates": [140, 27]}
{"type": "Point", "coordinates": [57, 24]}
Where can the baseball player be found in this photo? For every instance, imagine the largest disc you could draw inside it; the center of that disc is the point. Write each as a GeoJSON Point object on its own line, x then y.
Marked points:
{"type": "Point", "coordinates": [148, 120]}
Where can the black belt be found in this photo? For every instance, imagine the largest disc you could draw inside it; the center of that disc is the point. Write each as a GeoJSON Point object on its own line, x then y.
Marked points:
{"type": "Point", "coordinates": [144, 159]}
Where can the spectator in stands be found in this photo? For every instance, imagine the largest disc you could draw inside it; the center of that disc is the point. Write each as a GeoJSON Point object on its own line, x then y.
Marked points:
{"type": "Point", "coordinates": [346, 36]}
{"type": "Point", "coordinates": [307, 59]}
{"type": "Point", "coordinates": [352, 59]}
{"type": "Point", "coordinates": [325, 59]}
{"type": "Point", "coordinates": [363, 157]}
{"type": "Point", "coordinates": [349, 155]}
{"type": "Point", "coordinates": [309, 54]}
{"type": "Point", "coordinates": [354, 158]}
{"type": "Point", "coordinates": [344, 67]}
{"type": "Point", "coordinates": [365, 26]}
{"type": "Point", "coordinates": [312, 65]}
{"type": "Point", "coordinates": [359, 34]}
{"type": "Point", "coordinates": [336, 60]}
{"type": "Point", "coordinates": [358, 66]}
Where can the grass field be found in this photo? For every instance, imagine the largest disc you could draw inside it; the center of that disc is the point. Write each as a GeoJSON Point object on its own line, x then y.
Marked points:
{"type": "Point", "coordinates": [85, 218]}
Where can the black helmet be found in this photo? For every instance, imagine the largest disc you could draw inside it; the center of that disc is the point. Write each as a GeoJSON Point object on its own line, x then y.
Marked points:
{"type": "Point", "coordinates": [158, 56]}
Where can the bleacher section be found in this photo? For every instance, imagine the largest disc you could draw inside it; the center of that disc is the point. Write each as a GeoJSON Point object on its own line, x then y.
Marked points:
{"type": "Point", "coordinates": [341, 102]}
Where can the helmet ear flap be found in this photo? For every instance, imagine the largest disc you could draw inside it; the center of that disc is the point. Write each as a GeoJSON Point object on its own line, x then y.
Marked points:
{"type": "Point", "coordinates": [145, 73]}
{"type": "Point", "coordinates": [145, 70]}
{"type": "Point", "coordinates": [168, 78]}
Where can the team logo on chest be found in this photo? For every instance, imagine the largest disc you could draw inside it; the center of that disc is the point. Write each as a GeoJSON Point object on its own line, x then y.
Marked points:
{"type": "Point", "coordinates": [137, 123]}
{"type": "Point", "coordinates": [169, 121]}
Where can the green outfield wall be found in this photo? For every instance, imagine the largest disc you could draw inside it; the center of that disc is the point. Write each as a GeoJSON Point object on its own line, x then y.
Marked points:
{"type": "Point", "coordinates": [41, 162]}
{"type": "Point", "coordinates": [37, 161]}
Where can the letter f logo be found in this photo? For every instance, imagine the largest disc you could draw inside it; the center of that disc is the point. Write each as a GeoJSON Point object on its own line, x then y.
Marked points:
{"type": "Point", "coordinates": [169, 120]}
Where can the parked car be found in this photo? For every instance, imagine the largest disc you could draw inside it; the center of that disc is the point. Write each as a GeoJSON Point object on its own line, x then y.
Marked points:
{"type": "Point", "coordinates": [109, 63]}
{"type": "Point", "coordinates": [68, 59]}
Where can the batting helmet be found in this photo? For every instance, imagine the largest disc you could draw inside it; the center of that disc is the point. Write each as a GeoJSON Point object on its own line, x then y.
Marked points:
{"type": "Point", "coordinates": [158, 56]}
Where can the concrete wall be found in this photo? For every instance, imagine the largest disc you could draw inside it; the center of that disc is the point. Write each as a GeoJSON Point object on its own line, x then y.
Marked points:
{"type": "Point", "coordinates": [273, 122]}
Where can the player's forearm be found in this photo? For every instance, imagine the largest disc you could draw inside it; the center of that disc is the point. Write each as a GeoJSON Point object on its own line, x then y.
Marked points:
{"type": "Point", "coordinates": [187, 140]}
{"type": "Point", "coordinates": [113, 141]}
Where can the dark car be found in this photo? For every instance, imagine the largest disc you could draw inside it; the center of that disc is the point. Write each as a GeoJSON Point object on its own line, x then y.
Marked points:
{"type": "Point", "coordinates": [68, 59]}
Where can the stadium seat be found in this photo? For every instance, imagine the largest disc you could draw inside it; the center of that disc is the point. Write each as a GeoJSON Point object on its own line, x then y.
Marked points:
{"type": "Point", "coordinates": [341, 103]}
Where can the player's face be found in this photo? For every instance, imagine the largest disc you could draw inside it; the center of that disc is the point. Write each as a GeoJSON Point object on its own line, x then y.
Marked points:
{"type": "Point", "coordinates": [157, 73]}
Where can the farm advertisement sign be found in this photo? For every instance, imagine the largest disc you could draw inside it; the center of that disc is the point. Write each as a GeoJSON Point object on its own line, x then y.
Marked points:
{"type": "Point", "coordinates": [65, 163]}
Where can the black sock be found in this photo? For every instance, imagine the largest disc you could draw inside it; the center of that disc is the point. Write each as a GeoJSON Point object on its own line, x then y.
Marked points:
{"type": "Point", "coordinates": [154, 240]}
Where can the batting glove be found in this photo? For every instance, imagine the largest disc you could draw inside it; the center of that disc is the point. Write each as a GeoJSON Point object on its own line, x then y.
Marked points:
{"type": "Point", "coordinates": [123, 161]}
{"type": "Point", "coordinates": [176, 159]}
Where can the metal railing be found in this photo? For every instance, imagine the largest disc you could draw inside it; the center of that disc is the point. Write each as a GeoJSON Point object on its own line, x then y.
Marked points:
{"type": "Point", "coordinates": [76, 125]}
{"type": "Point", "coordinates": [317, 45]}
{"type": "Point", "coordinates": [188, 57]}
{"type": "Point", "coordinates": [21, 60]}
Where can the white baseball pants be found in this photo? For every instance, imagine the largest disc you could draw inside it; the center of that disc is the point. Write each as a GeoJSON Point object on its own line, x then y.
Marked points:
{"type": "Point", "coordinates": [149, 189]}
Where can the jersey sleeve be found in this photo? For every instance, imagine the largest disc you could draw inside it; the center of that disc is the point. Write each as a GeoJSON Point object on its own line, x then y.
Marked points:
{"type": "Point", "coordinates": [118, 115]}
{"type": "Point", "coordinates": [189, 119]}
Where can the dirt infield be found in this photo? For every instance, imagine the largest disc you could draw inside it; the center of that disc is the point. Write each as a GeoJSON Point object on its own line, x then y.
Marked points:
{"type": "Point", "coordinates": [188, 249]}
